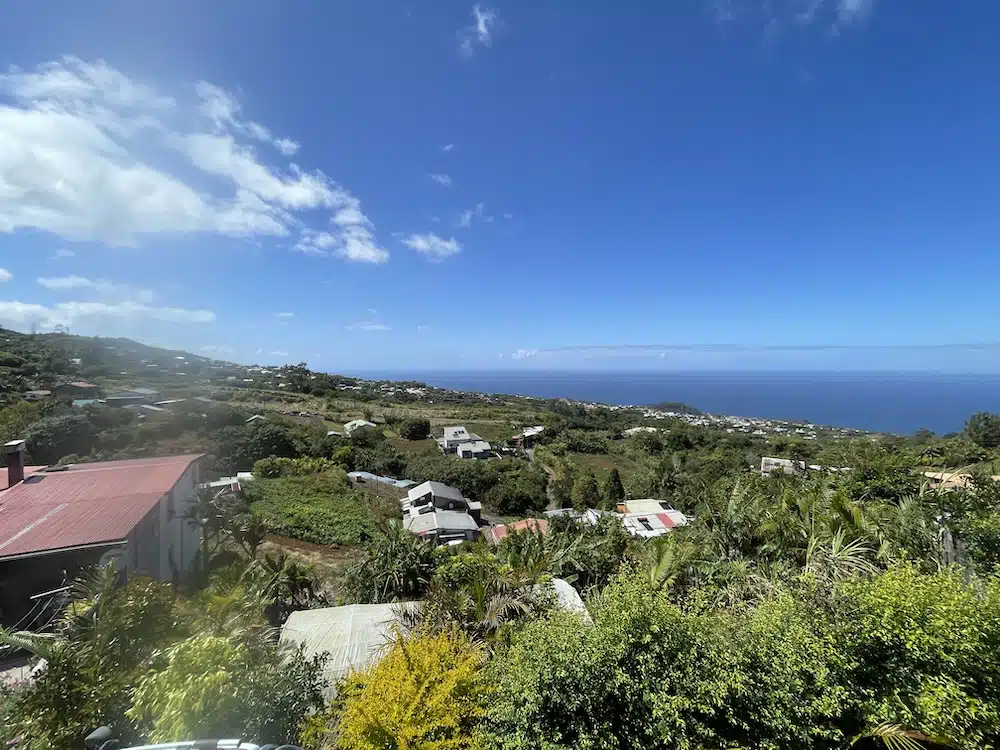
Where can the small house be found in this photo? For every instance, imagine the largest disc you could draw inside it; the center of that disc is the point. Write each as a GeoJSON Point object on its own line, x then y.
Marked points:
{"type": "Point", "coordinates": [357, 424]}
{"type": "Point", "coordinates": [39, 395]}
{"type": "Point", "coordinates": [443, 526]}
{"type": "Point", "coordinates": [431, 496]}
{"type": "Point", "coordinates": [76, 389]}
{"type": "Point", "coordinates": [535, 525]}
{"type": "Point", "coordinates": [475, 449]}
{"type": "Point", "coordinates": [454, 437]}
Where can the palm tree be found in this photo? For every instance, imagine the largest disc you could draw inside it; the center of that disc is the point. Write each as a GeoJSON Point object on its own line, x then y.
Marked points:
{"type": "Point", "coordinates": [668, 560]}
{"type": "Point", "coordinates": [399, 567]}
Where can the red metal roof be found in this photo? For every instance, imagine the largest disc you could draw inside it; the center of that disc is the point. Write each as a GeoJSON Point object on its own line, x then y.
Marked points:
{"type": "Point", "coordinates": [5, 477]}
{"type": "Point", "coordinates": [539, 525]}
{"type": "Point", "coordinates": [86, 504]}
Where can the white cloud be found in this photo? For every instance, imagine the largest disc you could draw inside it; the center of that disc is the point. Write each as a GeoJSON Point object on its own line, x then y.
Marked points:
{"type": "Point", "coordinates": [466, 218]}
{"type": "Point", "coordinates": [480, 32]}
{"type": "Point", "coordinates": [434, 247]}
{"type": "Point", "coordinates": [850, 12]}
{"type": "Point", "coordinates": [5, 275]}
{"type": "Point", "coordinates": [508, 216]}
{"type": "Point", "coordinates": [448, 147]}
{"type": "Point", "coordinates": [423, 329]}
{"type": "Point", "coordinates": [278, 354]}
{"type": "Point", "coordinates": [63, 253]}
{"type": "Point", "coordinates": [285, 315]}
{"type": "Point", "coordinates": [524, 354]}
{"type": "Point", "coordinates": [103, 288]}
{"type": "Point", "coordinates": [88, 154]}
{"type": "Point", "coordinates": [368, 325]}
{"type": "Point", "coordinates": [436, 219]}
{"type": "Point", "coordinates": [775, 16]}
{"type": "Point", "coordinates": [23, 314]}
{"type": "Point", "coordinates": [441, 179]}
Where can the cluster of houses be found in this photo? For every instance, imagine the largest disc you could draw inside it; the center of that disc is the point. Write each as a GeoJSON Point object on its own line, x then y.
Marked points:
{"type": "Point", "coordinates": [646, 518]}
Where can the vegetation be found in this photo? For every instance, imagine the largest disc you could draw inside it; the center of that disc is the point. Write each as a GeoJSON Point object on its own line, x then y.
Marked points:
{"type": "Point", "coordinates": [320, 508]}
{"type": "Point", "coordinates": [818, 610]}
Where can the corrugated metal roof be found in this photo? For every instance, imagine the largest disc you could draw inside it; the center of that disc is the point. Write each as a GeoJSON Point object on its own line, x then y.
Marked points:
{"type": "Point", "coordinates": [28, 471]}
{"type": "Point", "coordinates": [444, 520]}
{"type": "Point", "coordinates": [539, 525]}
{"type": "Point", "coordinates": [85, 504]}
{"type": "Point", "coordinates": [353, 636]}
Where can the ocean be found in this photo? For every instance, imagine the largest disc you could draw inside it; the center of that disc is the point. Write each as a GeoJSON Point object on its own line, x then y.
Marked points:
{"type": "Point", "coordinates": [883, 402]}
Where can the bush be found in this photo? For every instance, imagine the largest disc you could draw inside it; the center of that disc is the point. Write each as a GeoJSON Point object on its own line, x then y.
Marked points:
{"type": "Point", "coordinates": [415, 429]}
{"type": "Point", "coordinates": [426, 693]}
{"type": "Point", "coordinates": [212, 686]}
{"type": "Point", "coordinates": [292, 467]}
{"type": "Point", "coordinates": [518, 493]}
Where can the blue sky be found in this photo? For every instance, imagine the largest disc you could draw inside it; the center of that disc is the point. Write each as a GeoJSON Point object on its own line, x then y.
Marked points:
{"type": "Point", "coordinates": [388, 184]}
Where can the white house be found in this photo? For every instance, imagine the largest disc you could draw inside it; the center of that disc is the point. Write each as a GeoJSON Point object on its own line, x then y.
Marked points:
{"type": "Point", "coordinates": [431, 496]}
{"type": "Point", "coordinates": [454, 437]}
{"type": "Point", "coordinates": [475, 449]}
{"type": "Point", "coordinates": [357, 424]}
{"type": "Point", "coordinates": [443, 526]}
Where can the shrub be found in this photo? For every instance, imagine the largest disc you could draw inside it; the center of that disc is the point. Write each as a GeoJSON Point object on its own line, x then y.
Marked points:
{"type": "Point", "coordinates": [415, 429]}
{"type": "Point", "coordinates": [292, 467]}
{"type": "Point", "coordinates": [427, 692]}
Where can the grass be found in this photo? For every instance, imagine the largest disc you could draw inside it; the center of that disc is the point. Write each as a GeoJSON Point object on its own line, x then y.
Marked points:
{"type": "Point", "coordinates": [413, 446]}
{"type": "Point", "coordinates": [602, 464]}
{"type": "Point", "coordinates": [322, 508]}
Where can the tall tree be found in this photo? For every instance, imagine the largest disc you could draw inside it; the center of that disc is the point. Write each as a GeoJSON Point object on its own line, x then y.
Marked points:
{"type": "Point", "coordinates": [585, 492]}
{"type": "Point", "coordinates": [614, 490]}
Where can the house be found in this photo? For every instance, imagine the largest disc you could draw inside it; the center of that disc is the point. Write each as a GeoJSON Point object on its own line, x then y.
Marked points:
{"type": "Point", "coordinates": [475, 449]}
{"type": "Point", "coordinates": [431, 496]}
{"type": "Point", "coordinates": [645, 505]}
{"type": "Point", "coordinates": [454, 437]}
{"type": "Point", "coordinates": [498, 533]}
{"type": "Point", "coordinates": [57, 520]}
{"type": "Point", "coordinates": [650, 525]}
{"type": "Point", "coordinates": [639, 430]}
{"type": "Point", "coordinates": [357, 424]}
{"type": "Point", "coordinates": [770, 465]}
{"type": "Point", "coordinates": [36, 395]}
{"type": "Point", "coordinates": [527, 437]}
{"type": "Point", "coordinates": [443, 526]}
{"type": "Point", "coordinates": [76, 389]}
{"type": "Point", "coordinates": [134, 396]}
{"type": "Point", "coordinates": [352, 637]}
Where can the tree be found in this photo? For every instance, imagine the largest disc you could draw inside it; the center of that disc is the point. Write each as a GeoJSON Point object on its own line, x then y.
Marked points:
{"type": "Point", "coordinates": [415, 429]}
{"type": "Point", "coordinates": [614, 490]}
{"type": "Point", "coordinates": [585, 492]}
{"type": "Point", "coordinates": [398, 568]}
{"type": "Point", "coordinates": [983, 428]}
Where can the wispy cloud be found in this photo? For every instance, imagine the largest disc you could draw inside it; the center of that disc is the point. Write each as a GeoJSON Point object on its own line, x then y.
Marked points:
{"type": "Point", "coordinates": [5, 275]}
{"type": "Point", "coordinates": [63, 253]}
{"type": "Point", "coordinates": [775, 16]}
{"type": "Point", "coordinates": [448, 147]}
{"type": "Point", "coordinates": [368, 325]}
{"type": "Point", "coordinates": [434, 247]}
{"type": "Point", "coordinates": [18, 314]}
{"type": "Point", "coordinates": [466, 218]}
{"type": "Point", "coordinates": [480, 32]}
{"type": "Point", "coordinates": [279, 354]}
{"type": "Point", "coordinates": [125, 162]}
{"type": "Point", "coordinates": [441, 179]}
{"type": "Point", "coordinates": [103, 288]}
{"type": "Point", "coordinates": [285, 315]}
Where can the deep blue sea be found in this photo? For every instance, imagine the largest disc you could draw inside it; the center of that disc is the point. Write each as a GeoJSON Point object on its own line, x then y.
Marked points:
{"type": "Point", "coordinates": [883, 402]}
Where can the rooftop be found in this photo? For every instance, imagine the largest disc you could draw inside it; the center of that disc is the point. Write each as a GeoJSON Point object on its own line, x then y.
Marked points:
{"type": "Point", "coordinates": [83, 504]}
{"type": "Point", "coordinates": [539, 525]}
{"type": "Point", "coordinates": [440, 520]}
{"type": "Point", "coordinates": [437, 489]}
